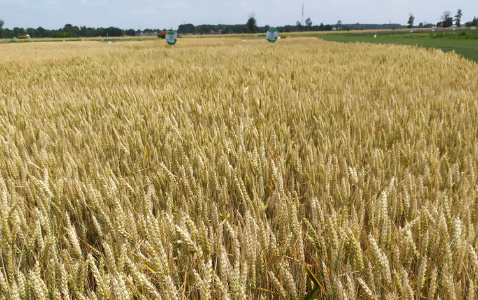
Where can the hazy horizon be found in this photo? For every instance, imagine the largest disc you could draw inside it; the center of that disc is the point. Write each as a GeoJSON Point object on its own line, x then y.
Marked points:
{"type": "Point", "coordinates": [126, 14]}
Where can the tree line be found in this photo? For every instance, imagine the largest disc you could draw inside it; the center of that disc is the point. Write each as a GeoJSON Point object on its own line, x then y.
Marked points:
{"type": "Point", "coordinates": [251, 27]}
{"type": "Point", "coordinates": [446, 20]}
{"type": "Point", "coordinates": [67, 31]}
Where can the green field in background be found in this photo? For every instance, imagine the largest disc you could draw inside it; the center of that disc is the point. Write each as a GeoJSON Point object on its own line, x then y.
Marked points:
{"type": "Point", "coordinates": [464, 43]}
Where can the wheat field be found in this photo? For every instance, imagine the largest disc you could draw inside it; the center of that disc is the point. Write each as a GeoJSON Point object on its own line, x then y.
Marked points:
{"type": "Point", "coordinates": [230, 169]}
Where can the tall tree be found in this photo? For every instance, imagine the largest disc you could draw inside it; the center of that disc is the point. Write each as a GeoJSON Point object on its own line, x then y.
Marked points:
{"type": "Point", "coordinates": [251, 24]}
{"type": "Point", "coordinates": [411, 20]}
{"type": "Point", "coordinates": [1, 27]}
{"type": "Point", "coordinates": [458, 16]}
{"type": "Point", "coordinates": [339, 24]}
{"type": "Point", "coordinates": [447, 19]}
{"type": "Point", "coordinates": [308, 23]}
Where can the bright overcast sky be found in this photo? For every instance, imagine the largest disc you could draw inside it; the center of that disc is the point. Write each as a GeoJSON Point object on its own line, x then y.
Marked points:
{"type": "Point", "coordinates": [125, 14]}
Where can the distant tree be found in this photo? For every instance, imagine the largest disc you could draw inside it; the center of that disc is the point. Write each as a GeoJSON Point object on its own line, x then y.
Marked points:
{"type": "Point", "coordinates": [458, 16]}
{"type": "Point", "coordinates": [186, 28]}
{"type": "Point", "coordinates": [308, 23]}
{"type": "Point", "coordinates": [411, 20]}
{"type": "Point", "coordinates": [90, 31]}
{"type": "Point", "coordinates": [321, 27]}
{"type": "Point", "coordinates": [41, 32]}
{"type": "Point", "coordinates": [251, 24]}
{"type": "Point", "coordinates": [6, 33]}
{"type": "Point", "coordinates": [447, 19]}
{"type": "Point", "coordinates": [339, 24]}
{"type": "Point", "coordinates": [299, 26]}
{"type": "Point", "coordinates": [32, 32]}
{"type": "Point", "coordinates": [17, 31]}
{"type": "Point", "coordinates": [1, 27]}
{"type": "Point", "coordinates": [68, 29]}
{"type": "Point", "coordinates": [71, 31]}
{"type": "Point", "coordinates": [472, 23]}
{"type": "Point", "coordinates": [287, 29]}
{"type": "Point", "coordinates": [420, 25]}
{"type": "Point", "coordinates": [83, 31]}
{"type": "Point", "coordinates": [113, 31]}
{"type": "Point", "coordinates": [130, 32]}
{"type": "Point", "coordinates": [61, 34]}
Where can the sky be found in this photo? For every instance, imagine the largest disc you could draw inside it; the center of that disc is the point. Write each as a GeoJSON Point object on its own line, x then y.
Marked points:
{"type": "Point", "coordinates": [159, 14]}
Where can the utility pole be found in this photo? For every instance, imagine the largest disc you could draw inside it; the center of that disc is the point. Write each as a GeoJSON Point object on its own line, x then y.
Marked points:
{"type": "Point", "coordinates": [302, 19]}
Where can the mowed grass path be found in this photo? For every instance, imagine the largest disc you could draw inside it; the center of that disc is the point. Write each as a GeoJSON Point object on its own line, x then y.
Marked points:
{"type": "Point", "coordinates": [468, 48]}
